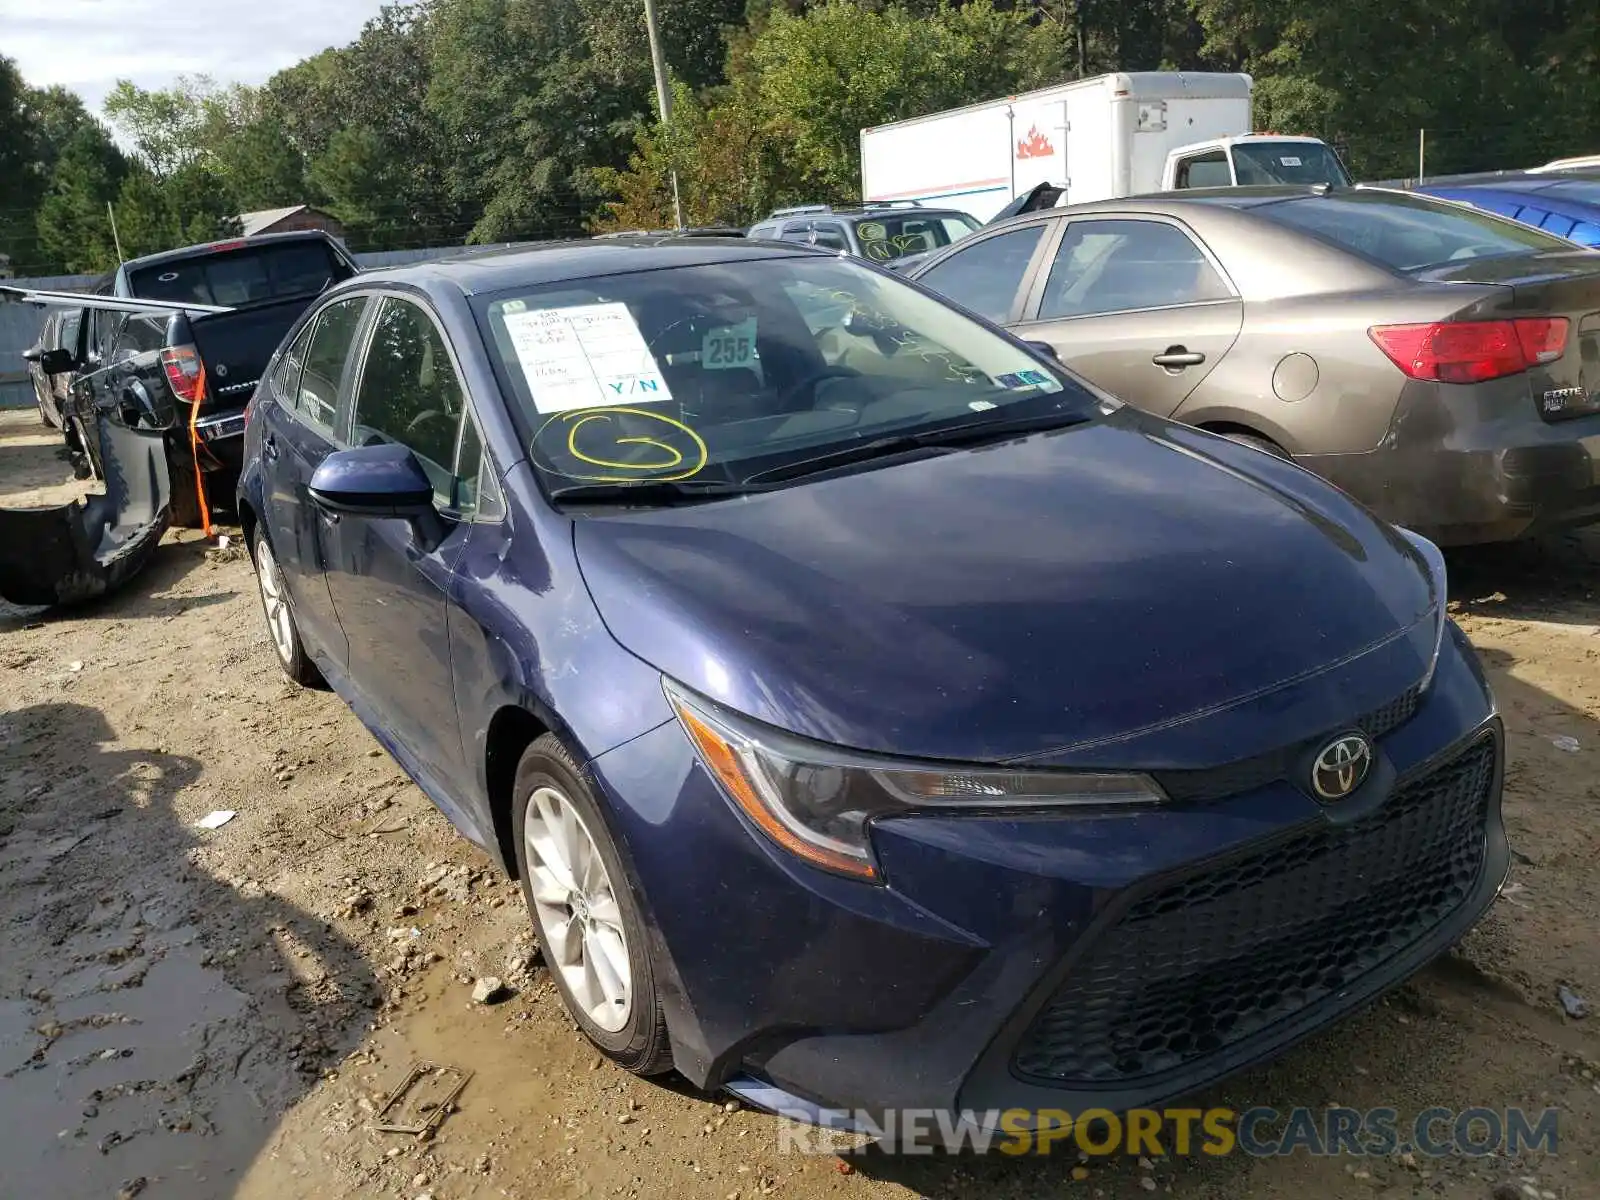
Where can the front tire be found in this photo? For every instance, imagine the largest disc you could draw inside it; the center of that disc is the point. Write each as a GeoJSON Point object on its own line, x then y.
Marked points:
{"type": "Point", "coordinates": [282, 631]}
{"type": "Point", "coordinates": [582, 903]}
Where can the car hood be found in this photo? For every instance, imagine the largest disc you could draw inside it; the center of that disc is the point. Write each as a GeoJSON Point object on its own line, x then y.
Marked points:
{"type": "Point", "coordinates": [1110, 593]}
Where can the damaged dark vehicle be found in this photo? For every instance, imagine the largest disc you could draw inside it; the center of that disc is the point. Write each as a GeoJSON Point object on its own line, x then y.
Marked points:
{"type": "Point", "coordinates": [162, 370]}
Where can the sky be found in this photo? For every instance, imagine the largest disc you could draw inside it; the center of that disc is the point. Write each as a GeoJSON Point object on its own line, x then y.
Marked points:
{"type": "Point", "coordinates": [87, 45]}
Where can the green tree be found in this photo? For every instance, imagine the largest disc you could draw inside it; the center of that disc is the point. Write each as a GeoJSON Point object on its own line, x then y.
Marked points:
{"type": "Point", "coordinates": [1502, 83]}
{"type": "Point", "coordinates": [156, 213]}
{"type": "Point", "coordinates": [164, 126]}
{"type": "Point", "coordinates": [359, 118]}
{"type": "Point", "coordinates": [19, 175]}
{"type": "Point", "coordinates": [73, 225]}
{"type": "Point", "coordinates": [528, 108]}
{"type": "Point", "coordinates": [828, 74]}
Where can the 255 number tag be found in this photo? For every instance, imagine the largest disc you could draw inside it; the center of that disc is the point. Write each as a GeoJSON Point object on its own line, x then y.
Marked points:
{"type": "Point", "coordinates": [729, 347]}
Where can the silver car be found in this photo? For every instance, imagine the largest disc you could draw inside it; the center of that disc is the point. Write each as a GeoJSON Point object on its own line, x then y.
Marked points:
{"type": "Point", "coordinates": [1440, 364]}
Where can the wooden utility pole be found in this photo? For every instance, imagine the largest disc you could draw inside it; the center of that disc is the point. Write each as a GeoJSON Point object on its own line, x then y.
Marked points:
{"type": "Point", "coordinates": [658, 62]}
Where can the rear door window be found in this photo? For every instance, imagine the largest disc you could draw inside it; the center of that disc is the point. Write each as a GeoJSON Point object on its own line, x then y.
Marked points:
{"type": "Point", "coordinates": [986, 276]}
{"type": "Point", "coordinates": [252, 274]}
{"type": "Point", "coordinates": [283, 384]}
{"type": "Point", "coordinates": [1407, 232]}
{"type": "Point", "coordinates": [1121, 266]}
{"type": "Point", "coordinates": [139, 335]}
{"type": "Point", "coordinates": [327, 359]}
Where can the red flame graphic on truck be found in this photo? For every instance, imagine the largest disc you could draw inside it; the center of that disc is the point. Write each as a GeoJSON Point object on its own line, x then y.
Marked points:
{"type": "Point", "coordinates": [1035, 145]}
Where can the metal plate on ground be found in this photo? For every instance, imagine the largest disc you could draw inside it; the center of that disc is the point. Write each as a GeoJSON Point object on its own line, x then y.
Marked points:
{"type": "Point", "coordinates": [428, 1091]}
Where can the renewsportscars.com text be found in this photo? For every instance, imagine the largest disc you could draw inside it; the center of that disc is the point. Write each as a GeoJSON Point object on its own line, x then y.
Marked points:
{"type": "Point", "coordinates": [1258, 1132]}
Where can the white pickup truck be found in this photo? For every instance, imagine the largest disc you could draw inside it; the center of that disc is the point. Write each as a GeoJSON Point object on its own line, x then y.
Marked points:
{"type": "Point", "coordinates": [1121, 134]}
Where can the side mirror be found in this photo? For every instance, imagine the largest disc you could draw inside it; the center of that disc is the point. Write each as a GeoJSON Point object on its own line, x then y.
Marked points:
{"type": "Point", "coordinates": [32, 354]}
{"type": "Point", "coordinates": [1046, 349]}
{"type": "Point", "coordinates": [56, 362]}
{"type": "Point", "coordinates": [373, 481]}
{"type": "Point", "coordinates": [380, 481]}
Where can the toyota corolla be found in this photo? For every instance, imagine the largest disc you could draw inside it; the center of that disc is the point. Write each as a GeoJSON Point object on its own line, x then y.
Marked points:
{"type": "Point", "coordinates": [874, 713]}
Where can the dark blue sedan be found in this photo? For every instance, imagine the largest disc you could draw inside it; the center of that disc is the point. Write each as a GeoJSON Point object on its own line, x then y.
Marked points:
{"type": "Point", "coordinates": [874, 713]}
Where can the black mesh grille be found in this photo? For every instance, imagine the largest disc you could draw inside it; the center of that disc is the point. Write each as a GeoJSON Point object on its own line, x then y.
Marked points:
{"type": "Point", "coordinates": [1213, 783]}
{"type": "Point", "coordinates": [1214, 959]}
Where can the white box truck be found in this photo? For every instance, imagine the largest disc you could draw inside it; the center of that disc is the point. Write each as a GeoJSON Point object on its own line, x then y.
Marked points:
{"type": "Point", "coordinates": [1122, 134]}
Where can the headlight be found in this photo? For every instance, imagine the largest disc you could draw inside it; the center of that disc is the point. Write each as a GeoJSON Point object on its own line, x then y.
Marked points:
{"type": "Point", "coordinates": [1439, 582]}
{"type": "Point", "coordinates": [816, 801]}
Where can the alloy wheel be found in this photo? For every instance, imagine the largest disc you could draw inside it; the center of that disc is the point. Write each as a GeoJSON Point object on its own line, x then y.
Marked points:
{"type": "Point", "coordinates": [575, 905]}
{"type": "Point", "coordinates": [280, 622]}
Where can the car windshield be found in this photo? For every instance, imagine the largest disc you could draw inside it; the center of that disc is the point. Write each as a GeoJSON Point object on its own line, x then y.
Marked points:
{"type": "Point", "coordinates": [1288, 162]}
{"type": "Point", "coordinates": [714, 374]}
{"type": "Point", "coordinates": [1407, 232]}
{"type": "Point", "coordinates": [235, 278]}
{"type": "Point", "coordinates": [886, 238]}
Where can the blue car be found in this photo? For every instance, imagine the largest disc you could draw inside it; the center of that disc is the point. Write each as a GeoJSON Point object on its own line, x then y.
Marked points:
{"type": "Point", "coordinates": [1565, 206]}
{"type": "Point", "coordinates": [874, 713]}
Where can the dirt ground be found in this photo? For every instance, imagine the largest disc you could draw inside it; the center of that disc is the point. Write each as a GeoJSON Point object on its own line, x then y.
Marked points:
{"type": "Point", "coordinates": [198, 1013]}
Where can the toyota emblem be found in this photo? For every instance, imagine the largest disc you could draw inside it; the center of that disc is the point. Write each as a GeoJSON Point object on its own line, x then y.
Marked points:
{"type": "Point", "coordinates": [1341, 767]}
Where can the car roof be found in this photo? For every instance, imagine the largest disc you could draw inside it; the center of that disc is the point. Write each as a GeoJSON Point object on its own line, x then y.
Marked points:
{"type": "Point", "coordinates": [1172, 204]}
{"type": "Point", "coordinates": [538, 264]}
{"type": "Point", "coordinates": [260, 239]}
{"type": "Point", "coordinates": [866, 213]}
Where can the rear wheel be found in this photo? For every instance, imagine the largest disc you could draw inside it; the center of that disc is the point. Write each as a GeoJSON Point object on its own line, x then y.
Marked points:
{"type": "Point", "coordinates": [584, 910]}
{"type": "Point", "coordinates": [282, 632]}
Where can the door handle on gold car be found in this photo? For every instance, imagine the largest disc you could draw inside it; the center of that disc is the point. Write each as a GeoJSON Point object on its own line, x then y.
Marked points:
{"type": "Point", "coordinates": [1178, 357]}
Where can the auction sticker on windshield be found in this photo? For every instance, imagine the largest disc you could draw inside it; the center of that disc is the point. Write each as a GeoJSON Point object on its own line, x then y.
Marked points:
{"type": "Point", "coordinates": [585, 356]}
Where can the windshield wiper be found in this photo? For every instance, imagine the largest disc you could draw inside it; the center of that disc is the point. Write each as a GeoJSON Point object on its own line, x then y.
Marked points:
{"type": "Point", "coordinates": [968, 433]}
{"type": "Point", "coordinates": [651, 491]}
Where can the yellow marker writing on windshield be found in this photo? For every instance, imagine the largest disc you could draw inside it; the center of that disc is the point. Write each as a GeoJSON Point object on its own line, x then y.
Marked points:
{"type": "Point", "coordinates": [578, 419]}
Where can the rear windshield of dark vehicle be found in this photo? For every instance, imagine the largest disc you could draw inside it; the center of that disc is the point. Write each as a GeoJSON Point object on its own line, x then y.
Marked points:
{"type": "Point", "coordinates": [250, 275]}
{"type": "Point", "coordinates": [1584, 190]}
{"type": "Point", "coordinates": [886, 238]}
{"type": "Point", "coordinates": [1409, 233]}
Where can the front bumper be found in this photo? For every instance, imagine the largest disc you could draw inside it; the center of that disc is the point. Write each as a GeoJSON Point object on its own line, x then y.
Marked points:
{"type": "Point", "coordinates": [1022, 961]}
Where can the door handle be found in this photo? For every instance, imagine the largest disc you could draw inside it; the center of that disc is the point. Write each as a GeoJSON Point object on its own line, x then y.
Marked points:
{"type": "Point", "coordinates": [269, 447]}
{"type": "Point", "coordinates": [1175, 358]}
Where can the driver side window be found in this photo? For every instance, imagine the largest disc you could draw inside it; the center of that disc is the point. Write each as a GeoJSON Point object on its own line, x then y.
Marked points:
{"type": "Point", "coordinates": [410, 394]}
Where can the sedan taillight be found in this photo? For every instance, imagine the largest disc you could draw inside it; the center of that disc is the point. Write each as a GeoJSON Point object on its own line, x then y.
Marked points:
{"type": "Point", "coordinates": [1472, 351]}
